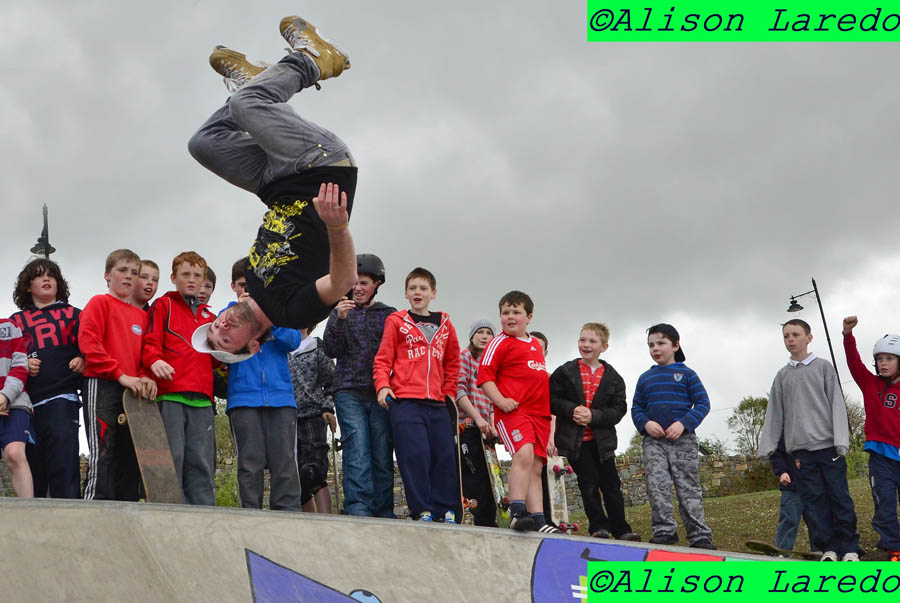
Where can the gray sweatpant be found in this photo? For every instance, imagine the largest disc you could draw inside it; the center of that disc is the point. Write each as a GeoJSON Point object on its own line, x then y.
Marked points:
{"type": "Point", "coordinates": [677, 462]}
{"type": "Point", "coordinates": [267, 437]}
{"type": "Point", "coordinates": [256, 138]}
{"type": "Point", "coordinates": [192, 439]}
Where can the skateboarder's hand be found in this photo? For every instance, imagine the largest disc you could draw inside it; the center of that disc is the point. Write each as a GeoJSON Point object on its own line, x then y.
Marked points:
{"type": "Point", "coordinates": [581, 415]}
{"type": "Point", "coordinates": [849, 323]}
{"type": "Point", "coordinates": [163, 370]}
{"type": "Point", "coordinates": [76, 364]}
{"type": "Point", "coordinates": [329, 418]}
{"type": "Point", "coordinates": [551, 447]}
{"type": "Point", "coordinates": [383, 395]}
{"type": "Point", "coordinates": [148, 388]}
{"type": "Point", "coordinates": [675, 430]}
{"type": "Point", "coordinates": [654, 429]}
{"type": "Point", "coordinates": [344, 306]}
{"type": "Point", "coordinates": [784, 479]}
{"type": "Point", "coordinates": [132, 383]}
{"type": "Point", "coordinates": [4, 406]}
{"type": "Point", "coordinates": [483, 426]}
{"type": "Point", "coordinates": [506, 404]}
{"type": "Point", "coordinates": [331, 205]}
{"type": "Point", "coordinates": [34, 365]}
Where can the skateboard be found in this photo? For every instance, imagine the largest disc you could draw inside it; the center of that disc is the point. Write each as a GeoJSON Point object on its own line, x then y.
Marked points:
{"type": "Point", "coordinates": [773, 551]}
{"type": "Point", "coordinates": [454, 427]}
{"type": "Point", "coordinates": [336, 445]}
{"type": "Point", "coordinates": [501, 497]}
{"type": "Point", "coordinates": [151, 446]}
{"type": "Point", "coordinates": [557, 468]}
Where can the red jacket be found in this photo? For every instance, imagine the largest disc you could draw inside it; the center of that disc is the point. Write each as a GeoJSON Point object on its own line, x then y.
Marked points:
{"type": "Point", "coordinates": [411, 366]}
{"type": "Point", "coordinates": [169, 328]}
{"type": "Point", "coordinates": [109, 337]}
{"type": "Point", "coordinates": [880, 399]}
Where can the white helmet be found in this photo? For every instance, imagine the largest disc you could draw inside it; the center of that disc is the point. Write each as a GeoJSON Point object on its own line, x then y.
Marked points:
{"type": "Point", "coordinates": [889, 344]}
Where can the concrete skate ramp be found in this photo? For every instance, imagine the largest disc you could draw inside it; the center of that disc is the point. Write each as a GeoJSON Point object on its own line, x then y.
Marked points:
{"type": "Point", "coordinates": [106, 551]}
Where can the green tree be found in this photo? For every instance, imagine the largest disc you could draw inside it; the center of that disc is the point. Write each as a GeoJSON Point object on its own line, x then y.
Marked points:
{"type": "Point", "coordinates": [746, 421]}
{"type": "Point", "coordinates": [635, 445]}
{"type": "Point", "coordinates": [857, 416]}
{"type": "Point", "coordinates": [712, 446]}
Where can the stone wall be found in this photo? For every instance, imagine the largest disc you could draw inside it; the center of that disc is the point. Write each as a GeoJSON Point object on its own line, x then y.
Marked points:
{"type": "Point", "coordinates": [719, 475]}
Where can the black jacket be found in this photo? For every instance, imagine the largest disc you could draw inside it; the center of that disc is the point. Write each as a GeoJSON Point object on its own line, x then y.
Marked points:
{"type": "Point", "coordinates": [607, 409]}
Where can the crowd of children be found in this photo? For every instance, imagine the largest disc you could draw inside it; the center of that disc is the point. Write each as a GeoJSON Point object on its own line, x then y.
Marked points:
{"type": "Point", "coordinates": [397, 374]}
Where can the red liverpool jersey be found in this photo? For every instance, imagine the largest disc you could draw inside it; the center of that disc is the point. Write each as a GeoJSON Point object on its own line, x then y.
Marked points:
{"type": "Point", "coordinates": [517, 367]}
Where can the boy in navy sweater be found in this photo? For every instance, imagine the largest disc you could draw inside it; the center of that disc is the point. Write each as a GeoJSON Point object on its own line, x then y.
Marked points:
{"type": "Point", "coordinates": [669, 404]}
{"type": "Point", "coordinates": [50, 325]}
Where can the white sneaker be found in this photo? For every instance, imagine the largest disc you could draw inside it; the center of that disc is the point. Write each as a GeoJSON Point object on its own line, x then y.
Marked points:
{"type": "Point", "coordinates": [850, 557]}
{"type": "Point", "coordinates": [829, 556]}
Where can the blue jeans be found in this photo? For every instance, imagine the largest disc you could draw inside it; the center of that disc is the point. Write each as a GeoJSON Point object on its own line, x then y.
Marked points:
{"type": "Point", "coordinates": [368, 458]}
{"type": "Point", "coordinates": [789, 513]}
{"type": "Point", "coordinates": [884, 478]}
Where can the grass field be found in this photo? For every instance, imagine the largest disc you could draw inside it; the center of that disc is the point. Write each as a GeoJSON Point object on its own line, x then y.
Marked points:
{"type": "Point", "coordinates": [737, 519]}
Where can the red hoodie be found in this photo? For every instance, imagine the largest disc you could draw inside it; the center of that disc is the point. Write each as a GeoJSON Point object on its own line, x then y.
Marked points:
{"type": "Point", "coordinates": [169, 328]}
{"type": "Point", "coordinates": [109, 336]}
{"type": "Point", "coordinates": [412, 366]}
{"type": "Point", "coordinates": [881, 400]}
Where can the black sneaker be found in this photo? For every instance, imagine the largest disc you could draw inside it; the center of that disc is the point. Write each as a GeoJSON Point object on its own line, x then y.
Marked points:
{"type": "Point", "coordinates": [704, 543]}
{"type": "Point", "coordinates": [549, 528]}
{"type": "Point", "coordinates": [601, 533]}
{"type": "Point", "coordinates": [522, 522]}
{"type": "Point", "coordinates": [664, 539]}
{"type": "Point", "coordinates": [630, 536]}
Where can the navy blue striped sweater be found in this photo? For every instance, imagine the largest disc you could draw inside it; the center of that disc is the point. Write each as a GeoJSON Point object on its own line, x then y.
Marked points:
{"type": "Point", "coordinates": [670, 393]}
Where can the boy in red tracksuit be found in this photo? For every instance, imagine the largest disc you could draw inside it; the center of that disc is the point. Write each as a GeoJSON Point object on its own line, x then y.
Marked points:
{"type": "Point", "coordinates": [415, 371]}
{"type": "Point", "coordinates": [513, 374]}
{"type": "Point", "coordinates": [184, 378]}
{"type": "Point", "coordinates": [109, 337]}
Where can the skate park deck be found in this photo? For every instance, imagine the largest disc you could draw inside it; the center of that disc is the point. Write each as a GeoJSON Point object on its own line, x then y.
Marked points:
{"type": "Point", "coordinates": [104, 551]}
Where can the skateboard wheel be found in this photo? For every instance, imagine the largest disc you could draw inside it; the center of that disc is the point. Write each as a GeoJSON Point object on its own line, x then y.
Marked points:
{"type": "Point", "coordinates": [569, 469]}
{"type": "Point", "coordinates": [121, 419]}
{"type": "Point", "coordinates": [574, 527]}
{"type": "Point", "coordinates": [557, 469]}
{"type": "Point", "coordinates": [504, 501]}
{"type": "Point", "coordinates": [563, 526]}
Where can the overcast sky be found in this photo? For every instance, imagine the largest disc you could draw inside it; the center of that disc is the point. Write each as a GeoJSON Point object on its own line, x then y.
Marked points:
{"type": "Point", "coordinates": [697, 184]}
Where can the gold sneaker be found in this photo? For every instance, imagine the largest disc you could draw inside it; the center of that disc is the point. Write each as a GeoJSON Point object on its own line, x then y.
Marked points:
{"type": "Point", "coordinates": [302, 35]}
{"type": "Point", "coordinates": [235, 68]}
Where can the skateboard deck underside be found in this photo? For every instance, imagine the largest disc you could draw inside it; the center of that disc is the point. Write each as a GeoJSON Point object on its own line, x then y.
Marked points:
{"type": "Point", "coordinates": [151, 446]}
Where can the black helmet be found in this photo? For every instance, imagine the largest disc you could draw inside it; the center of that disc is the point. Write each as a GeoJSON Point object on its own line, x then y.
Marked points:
{"type": "Point", "coordinates": [367, 263]}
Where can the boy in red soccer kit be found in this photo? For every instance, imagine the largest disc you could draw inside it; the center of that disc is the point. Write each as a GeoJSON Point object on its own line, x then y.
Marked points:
{"type": "Point", "coordinates": [109, 335]}
{"type": "Point", "coordinates": [514, 376]}
{"type": "Point", "coordinates": [184, 378]}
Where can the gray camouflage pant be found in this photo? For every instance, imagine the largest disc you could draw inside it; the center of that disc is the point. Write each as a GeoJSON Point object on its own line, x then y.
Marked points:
{"type": "Point", "coordinates": [675, 461]}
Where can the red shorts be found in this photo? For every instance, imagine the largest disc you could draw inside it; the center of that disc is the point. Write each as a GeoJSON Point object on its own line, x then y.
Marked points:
{"type": "Point", "coordinates": [518, 429]}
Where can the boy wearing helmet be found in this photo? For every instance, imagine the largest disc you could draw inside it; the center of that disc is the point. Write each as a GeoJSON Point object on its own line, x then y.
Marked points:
{"type": "Point", "coordinates": [880, 395]}
{"type": "Point", "coordinates": [352, 337]}
{"type": "Point", "coordinates": [806, 405]}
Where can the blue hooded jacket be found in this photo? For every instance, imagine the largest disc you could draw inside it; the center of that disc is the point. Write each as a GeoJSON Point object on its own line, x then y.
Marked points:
{"type": "Point", "coordinates": [264, 380]}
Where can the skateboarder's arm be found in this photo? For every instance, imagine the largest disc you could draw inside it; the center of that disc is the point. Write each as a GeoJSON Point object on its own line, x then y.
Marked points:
{"type": "Point", "coordinates": [466, 405]}
{"type": "Point", "coordinates": [451, 363]}
{"type": "Point", "coordinates": [610, 410]}
{"type": "Point", "coordinates": [499, 400]}
{"type": "Point", "coordinates": [331, 205]}
{"type": "Point", "coordinates": [334, 340]}
{"type": "Point", "coordinates": [560, 404]}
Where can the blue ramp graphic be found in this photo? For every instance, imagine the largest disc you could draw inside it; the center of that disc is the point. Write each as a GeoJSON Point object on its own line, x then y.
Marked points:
{"type": "Point", "coordinates": [271, 582]}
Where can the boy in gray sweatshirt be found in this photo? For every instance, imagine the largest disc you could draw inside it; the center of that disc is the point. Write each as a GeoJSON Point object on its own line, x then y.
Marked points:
{"type": "Point", "coordinates": [807, 405]}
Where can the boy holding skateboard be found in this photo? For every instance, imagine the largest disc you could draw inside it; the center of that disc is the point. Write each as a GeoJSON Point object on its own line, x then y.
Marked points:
{"type": "Point", "coordinates": [807, 406]}
{"type": "Point", "coordinates": [184, 379]}
{"type": "Point", "coordinates": [587, 396]}
{"type": "Point", "coordinates": [416, 371]}
{"type": "Point", "coordinates": [881, 393]}
{"type": "Point", "coordinates": [669, 404]}
{"type": "Point", "coordinates": [513, 375]}
{"type": "Point", "coordinates": [109, 336]}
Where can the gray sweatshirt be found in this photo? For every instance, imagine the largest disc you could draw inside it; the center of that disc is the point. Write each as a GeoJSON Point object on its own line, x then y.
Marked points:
{"type": "Point", "coordinates": [807, 405]}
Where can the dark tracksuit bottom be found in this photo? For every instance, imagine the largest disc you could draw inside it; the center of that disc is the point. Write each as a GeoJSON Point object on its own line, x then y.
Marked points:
{"type": "Point", "coordinates": [822, 484]}
{"type": "Point", "coordinates": [55, 467]}
{"type": "Point", "coordinates": [596, 477]}
{"type": "Point", "coordinates": [884, 478]}
{"type": "Point", "coordinates": [426, 456]}
{"type": "Point", "coordinates": [475, 478]}
{"type": "Point", "coordinates": [112, 465]}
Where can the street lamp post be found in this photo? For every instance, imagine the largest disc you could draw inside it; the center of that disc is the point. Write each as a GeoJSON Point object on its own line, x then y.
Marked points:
{"type": "Point", "coordinates": [796, 307]}
{"type": "Point", "coordinates": [43, 246]}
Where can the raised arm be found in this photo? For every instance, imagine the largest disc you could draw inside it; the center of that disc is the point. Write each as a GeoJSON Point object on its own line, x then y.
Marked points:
{"type": "Point", "coordinates": [331, 205]}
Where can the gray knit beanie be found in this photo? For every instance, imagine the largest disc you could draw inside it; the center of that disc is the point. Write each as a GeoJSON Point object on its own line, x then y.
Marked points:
{"type": "Point", "coordinates": [481, 324]}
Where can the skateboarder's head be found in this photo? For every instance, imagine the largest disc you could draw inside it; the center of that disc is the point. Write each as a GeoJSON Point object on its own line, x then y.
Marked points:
{"type": "Point", "coordinates": [234, 336]}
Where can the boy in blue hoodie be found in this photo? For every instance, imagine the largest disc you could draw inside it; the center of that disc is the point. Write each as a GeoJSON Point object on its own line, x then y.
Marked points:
{"type": "Point", "coordinates": [669, 404]}
{"type": "Point", "coordinates": [263, 415]}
